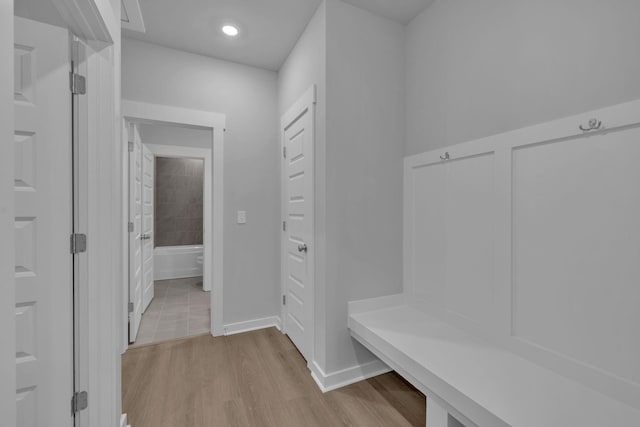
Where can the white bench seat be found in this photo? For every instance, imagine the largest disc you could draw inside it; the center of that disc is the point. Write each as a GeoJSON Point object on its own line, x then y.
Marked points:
{"type": "Point", "coordinates": [477, 382]}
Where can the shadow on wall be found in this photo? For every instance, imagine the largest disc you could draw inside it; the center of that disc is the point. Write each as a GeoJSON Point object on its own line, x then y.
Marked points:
{"type": "Point", "coordinates": [178, 201]}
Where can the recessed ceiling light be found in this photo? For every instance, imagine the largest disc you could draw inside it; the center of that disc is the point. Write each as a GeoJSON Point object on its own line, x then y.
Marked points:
{"type": "Point", "coordinates": [230, 30]}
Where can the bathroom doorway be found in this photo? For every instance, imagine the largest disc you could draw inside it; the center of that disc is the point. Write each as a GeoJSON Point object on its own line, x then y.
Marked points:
{"type": "Point", "coordinates": [169, 119]}
{"type": "Point", "coordinates": [169, 297]}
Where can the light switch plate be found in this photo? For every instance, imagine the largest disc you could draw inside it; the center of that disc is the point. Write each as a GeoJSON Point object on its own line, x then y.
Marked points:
{"type": "Point", "coordinates": [242, 217]}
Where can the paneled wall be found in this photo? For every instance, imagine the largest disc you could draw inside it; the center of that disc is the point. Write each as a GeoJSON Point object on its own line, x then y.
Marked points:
{"type": "Point", "coordinates": [453, 215]}
{"type": "Point", "coordinates": [178, 201]}
{"type": "Point", "coordinates": [531, 239]}
{"type": "Point", "coordinates": [575, 251]}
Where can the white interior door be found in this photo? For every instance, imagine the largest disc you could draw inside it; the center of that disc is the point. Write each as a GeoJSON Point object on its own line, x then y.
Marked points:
{"type": "Point", "coordinates": [147, 226]}
{"type": "Point", "coordinates": [298, 209]}
{"type": "Point", "coordinates": [135, 235]}
{"type": "Point", "coordinates": [43, 225]}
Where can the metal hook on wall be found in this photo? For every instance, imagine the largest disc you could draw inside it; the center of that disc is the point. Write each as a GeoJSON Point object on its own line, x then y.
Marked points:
{"type": "Point", "coordinates": [594, 124]}
{"type": "Point", "coordinates": [446, 156]}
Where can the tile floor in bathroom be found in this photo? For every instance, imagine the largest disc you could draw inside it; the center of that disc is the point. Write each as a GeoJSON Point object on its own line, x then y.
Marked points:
{"type": "Point", "coordinates": [179, 308]}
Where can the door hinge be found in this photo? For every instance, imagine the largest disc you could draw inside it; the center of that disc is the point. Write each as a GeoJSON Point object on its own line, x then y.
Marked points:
{"type": "Point", "coordinates": [79, 401]}
{"type": "Point", "coordinates": [130, 146]}
{"type": "Point", "coordinates": [284, 152]}
{"type": "Point", "coordinates": [130, 227]}
{"type": "Point", "coordinates": [130, 307]}
{"type": "Point", "coordinates": [284, 300]}
{"type": "Point", "coordinates": [78, 84]}
{"type": "Point", "coordinates": [284, 225]}
{"type": "Point", "coordinates": [78, 243]}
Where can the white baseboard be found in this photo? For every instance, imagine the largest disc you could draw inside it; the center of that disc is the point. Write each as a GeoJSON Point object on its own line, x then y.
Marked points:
{"type": "Point", "coordinates": [344, 377]}
{"type": "Point", "coordinates": [252, 325]}
{"type": "Point", "coordinates": [123, 420]}
{"type": "Point", "coordinates": [182, 273]}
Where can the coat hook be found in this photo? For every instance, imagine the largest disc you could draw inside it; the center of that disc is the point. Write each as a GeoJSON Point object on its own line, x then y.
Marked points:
{"type": "Point", "coordinates": [446, 156]}
{"type": "Point", "coordinates": [594, 124]}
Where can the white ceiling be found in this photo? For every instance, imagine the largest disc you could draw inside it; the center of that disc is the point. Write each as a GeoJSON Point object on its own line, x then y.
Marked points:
{"type": "Point", "coordinates": [269, 28]}
{"type": "Point", "coordinates": [402, 11]}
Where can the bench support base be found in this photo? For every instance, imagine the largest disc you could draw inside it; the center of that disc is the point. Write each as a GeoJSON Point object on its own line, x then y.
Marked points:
{"type": "Point", "coordinates": [437, 416]}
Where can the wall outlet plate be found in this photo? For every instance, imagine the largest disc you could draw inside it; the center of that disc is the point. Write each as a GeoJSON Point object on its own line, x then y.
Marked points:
{"type": "Point", "coordinates": [242, 217]}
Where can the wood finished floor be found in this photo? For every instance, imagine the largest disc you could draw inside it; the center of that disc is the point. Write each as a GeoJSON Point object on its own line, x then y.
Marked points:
{"type": "Point", "coordinates": [252, 379]}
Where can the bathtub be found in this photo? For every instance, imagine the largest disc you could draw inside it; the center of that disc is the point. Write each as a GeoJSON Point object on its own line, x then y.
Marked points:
{"type": "Point", "coordinates": [177, 262]}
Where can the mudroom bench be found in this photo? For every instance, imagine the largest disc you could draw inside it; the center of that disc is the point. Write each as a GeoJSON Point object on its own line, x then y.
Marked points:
{"type": "Point", "coordinates": [477, 383]}
{"type": "Point", "coordinates": [520, 296]}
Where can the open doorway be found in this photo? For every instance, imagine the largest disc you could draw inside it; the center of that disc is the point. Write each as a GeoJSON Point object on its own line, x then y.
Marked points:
{"type": "Point", "coordinates": [169, 296]}
{"type": "Point", "coordinates": [174, 274]}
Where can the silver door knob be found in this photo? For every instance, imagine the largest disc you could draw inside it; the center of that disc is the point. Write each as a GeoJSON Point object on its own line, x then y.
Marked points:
{"type": "Point", "coordinates": [302, 248]}
{"type": "Point", "coordinates": [145, 237]}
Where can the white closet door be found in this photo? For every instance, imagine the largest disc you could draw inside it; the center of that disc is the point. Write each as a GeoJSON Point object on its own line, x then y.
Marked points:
{"type": "Point", "coordinates": [147, 226]}
{"type": "Point", "coordinates": [43, 224]}
{"type": "Point", "coordinates": [298, 143]}
{"type": "Point", "coordinates": [135, 242]}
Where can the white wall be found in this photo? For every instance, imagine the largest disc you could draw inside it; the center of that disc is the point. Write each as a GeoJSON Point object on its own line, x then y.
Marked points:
{"type": "Point", "coordinates": [479, 68]}
{"type": "Point", "coordinates": [248, 97]}
{"type": "Point", "coordinates": [364, 161]}
{"type": "Point", "coordinates": [305, 66]}
{"type": "Point", "coordinates": [7, 221]}
{"type": "Point", "coordinates": [175, 135]}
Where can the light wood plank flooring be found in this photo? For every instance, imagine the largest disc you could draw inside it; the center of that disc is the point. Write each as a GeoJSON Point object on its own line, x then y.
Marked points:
{"type": "Point", "coordinates": [252, 379]}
